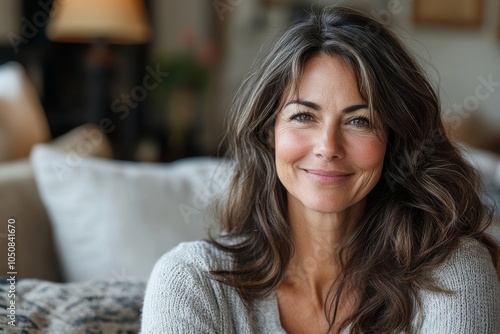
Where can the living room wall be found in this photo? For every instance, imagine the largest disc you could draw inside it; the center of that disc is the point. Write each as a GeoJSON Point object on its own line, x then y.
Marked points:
{"type": "Point", "coordinates": [461, 56]}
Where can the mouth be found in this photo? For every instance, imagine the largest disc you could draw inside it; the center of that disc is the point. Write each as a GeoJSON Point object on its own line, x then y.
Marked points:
{"type": "Point", "coordinates": [328, 176]}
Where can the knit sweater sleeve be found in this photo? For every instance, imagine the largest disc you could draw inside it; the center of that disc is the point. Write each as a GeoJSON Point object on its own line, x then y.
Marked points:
{"type": "Point", "coordinates": [178, 298]}
{"type": "Point", "coordinates": [475, 305]}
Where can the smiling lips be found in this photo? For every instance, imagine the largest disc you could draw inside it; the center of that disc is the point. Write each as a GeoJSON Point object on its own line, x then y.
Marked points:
{"type": "Point", "coordinates": [328, 176]}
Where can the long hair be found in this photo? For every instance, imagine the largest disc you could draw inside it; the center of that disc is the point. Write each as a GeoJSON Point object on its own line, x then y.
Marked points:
{"type": "Point", "coordinates": [427, 199]}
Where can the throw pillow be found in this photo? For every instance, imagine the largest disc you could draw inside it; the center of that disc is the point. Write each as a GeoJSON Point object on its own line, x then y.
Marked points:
{"type": "Point", "coordinates": [116, 217]}
{"type": "Point", "coordinates": [488, 165]}
{"type": "Point", "coordinates": [22, 119]}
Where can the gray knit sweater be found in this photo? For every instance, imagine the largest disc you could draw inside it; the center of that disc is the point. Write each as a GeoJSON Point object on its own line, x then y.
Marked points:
{"type": "Point", "coordinates": [181, 298]}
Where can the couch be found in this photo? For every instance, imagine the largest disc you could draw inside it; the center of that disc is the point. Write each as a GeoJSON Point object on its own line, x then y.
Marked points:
{"type": "Point", "coordinates": [88, 231]}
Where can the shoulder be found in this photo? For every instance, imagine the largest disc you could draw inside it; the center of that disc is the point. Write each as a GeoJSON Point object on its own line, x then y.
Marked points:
{"type": "Point", "coordinates": [474, 304]}
{"type": "Point", "coordinates": [180, 294]}
{"type": "Point", "coordinates": [187, 267]}
{"type": "Point", "coordinates": [469, 264]}
{"type": "Point", "coordinates": [195, 256]}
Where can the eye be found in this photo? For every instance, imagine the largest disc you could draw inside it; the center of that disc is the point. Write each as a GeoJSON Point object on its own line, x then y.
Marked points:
{"type": "Point", "coordinates": [302, 117]}
{"type": "Point", "coordinates": [360, 121]}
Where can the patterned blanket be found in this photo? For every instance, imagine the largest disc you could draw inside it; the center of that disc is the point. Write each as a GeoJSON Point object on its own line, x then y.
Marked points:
{"type": "Point", "coordinates": [94, 307]}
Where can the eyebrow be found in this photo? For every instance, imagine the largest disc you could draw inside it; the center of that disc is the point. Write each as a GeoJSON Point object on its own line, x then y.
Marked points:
{"type": "Point", "coordinates": [316, 107]}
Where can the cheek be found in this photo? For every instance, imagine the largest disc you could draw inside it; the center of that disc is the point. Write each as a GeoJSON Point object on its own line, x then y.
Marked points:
{"type": "Point", "coordinates": [290, 145]}
{"type": "Point", "coordinates": [369, 153]}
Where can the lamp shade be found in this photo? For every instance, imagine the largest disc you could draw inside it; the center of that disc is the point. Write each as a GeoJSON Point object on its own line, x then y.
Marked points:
{"type": "Point", "coordinates": [116, 21]}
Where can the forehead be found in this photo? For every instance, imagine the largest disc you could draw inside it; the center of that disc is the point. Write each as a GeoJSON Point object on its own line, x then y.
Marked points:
{"type": "Point", "coordinates": [325, 78]}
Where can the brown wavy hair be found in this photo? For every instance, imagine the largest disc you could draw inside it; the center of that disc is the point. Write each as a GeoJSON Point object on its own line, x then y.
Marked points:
{"type": "Point", "coordinates": [427, 199]}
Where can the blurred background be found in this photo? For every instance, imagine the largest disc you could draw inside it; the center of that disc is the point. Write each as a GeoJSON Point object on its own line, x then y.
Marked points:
{"type": "Point", "coordinates": [158, 76]}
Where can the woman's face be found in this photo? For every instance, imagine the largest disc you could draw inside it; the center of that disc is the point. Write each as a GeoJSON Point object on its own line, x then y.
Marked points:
{"type": "Point", "coordinates": [329, 151]}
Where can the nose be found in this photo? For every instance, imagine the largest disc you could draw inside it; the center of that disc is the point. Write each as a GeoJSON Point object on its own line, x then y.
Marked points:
{"type": "Point", "coordinates": [330, 144]}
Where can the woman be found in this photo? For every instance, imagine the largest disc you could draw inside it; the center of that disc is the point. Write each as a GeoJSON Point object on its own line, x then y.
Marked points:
{"type": "Point", "coordinates": [349, 210]}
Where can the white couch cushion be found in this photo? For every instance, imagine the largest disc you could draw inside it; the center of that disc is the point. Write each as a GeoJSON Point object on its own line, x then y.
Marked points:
{"type": "Point", "coordinates": [115, 218]}
{"type": "Point", "coordinates": [488, 165]}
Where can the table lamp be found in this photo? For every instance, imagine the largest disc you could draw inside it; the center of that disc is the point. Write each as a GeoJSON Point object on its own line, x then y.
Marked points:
{"type": "Point", "coordinates": [116, 21]}
{"type": "Point", "coordinates": [100, 23]}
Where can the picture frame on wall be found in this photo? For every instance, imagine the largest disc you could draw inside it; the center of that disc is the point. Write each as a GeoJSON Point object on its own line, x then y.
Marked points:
{"type": "Point", "coordinates": [460, 13]}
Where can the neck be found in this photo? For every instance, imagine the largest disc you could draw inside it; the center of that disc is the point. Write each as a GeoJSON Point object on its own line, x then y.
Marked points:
{"type": "Point", "coordinates": [317, 238]}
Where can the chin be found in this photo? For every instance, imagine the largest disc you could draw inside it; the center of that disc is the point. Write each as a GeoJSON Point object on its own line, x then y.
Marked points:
{"type": "Point", "coordinates": [324, 206]}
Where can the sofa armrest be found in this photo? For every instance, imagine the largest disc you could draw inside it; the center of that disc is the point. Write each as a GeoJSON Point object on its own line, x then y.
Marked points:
{"type": "Point", "coordinates": [19, 199]}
